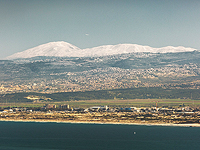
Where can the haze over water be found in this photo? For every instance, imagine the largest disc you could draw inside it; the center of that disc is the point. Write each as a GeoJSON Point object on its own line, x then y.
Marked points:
{"type": "Point", "coordinates": [61, 136]}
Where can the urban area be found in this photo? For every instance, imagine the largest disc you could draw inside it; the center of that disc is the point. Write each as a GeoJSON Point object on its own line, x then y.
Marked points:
{"type": "Point", "coordinates": [104, 114]}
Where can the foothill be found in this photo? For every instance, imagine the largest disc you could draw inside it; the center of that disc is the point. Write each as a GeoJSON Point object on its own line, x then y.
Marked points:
{"type": "Point", "coordinates": [109, 78]}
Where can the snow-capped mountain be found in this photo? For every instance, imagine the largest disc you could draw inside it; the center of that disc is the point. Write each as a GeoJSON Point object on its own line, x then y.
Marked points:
{"type": "Point", "coordinates": [64, 49]}
{"type": "Point", "coordinates": [58, 49]}
{"type": "Point", "coordinates": [131, 48]}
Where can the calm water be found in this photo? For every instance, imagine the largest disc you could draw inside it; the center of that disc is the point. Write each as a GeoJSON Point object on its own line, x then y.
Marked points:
{"type": "Point", "coordinates": [53, 136]}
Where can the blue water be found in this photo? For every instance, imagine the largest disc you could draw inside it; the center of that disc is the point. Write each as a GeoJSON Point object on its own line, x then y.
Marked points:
{"type": "Point", "coordinates": [66, 136]}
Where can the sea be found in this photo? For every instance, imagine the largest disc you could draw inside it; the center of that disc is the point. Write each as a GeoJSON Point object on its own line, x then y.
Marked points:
{"type": "Point", "coordinates": [78, 136]}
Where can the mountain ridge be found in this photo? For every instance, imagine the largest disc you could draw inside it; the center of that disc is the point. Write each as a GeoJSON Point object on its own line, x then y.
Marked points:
{"type": "Point", "coordinates": [64, 49]}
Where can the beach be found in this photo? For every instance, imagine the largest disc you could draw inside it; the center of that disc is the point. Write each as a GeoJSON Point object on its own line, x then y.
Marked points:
{"type": "Point", "coordinates": [98, 122]}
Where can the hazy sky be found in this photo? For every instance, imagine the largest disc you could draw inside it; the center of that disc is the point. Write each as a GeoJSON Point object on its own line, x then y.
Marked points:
{"type": "Point", "coordinates": [88, 23]}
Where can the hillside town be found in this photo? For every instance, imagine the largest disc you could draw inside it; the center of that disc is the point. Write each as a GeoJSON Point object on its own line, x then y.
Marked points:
{"type": "Point", "coordinates": [180, 77]}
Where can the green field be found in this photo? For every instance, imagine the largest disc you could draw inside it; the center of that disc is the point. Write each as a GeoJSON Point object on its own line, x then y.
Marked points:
{"type": "Point", "coordinates": [113, 103]}
{"type": "Point", "coordinates": [117, 97]}
{"type": "Point", "coordinates": [134, 103]}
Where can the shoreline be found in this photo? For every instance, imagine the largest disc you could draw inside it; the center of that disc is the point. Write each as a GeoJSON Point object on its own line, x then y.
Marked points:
{"type": "Point", "coordinates": [95, 122]}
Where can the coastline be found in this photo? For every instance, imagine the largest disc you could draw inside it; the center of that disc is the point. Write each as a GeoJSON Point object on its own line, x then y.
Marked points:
{"type": "Point", "coordinates": [96, 122]}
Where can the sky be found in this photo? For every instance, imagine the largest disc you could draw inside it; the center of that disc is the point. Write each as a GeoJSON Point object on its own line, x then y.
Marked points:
{"type": "Point", "coordinates": [25, 24]}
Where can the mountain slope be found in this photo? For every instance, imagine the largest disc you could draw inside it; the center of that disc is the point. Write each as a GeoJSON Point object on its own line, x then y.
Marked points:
{"type": "Point", "coordinates": [64, 49]}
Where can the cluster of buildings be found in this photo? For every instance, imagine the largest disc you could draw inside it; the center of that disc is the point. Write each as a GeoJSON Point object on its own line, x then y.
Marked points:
{"type": "Point", "coordinates": [68, 108]}
{"type": "Point", "coordinates": [105, 114]}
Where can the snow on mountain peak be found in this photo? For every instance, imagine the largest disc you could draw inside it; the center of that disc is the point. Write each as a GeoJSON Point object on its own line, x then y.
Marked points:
{"type": "Point", "coordinates": [64, 49]}
{"type": "Point", "coordinates": [58, 49]}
